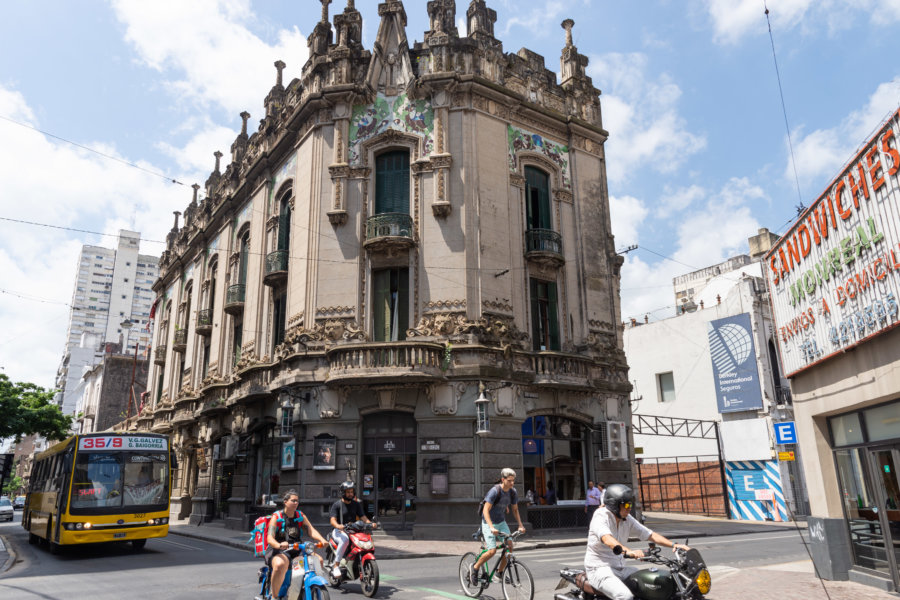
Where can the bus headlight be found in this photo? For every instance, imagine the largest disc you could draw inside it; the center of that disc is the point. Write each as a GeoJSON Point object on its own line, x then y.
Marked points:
{"type": "Point", "coordinates": [704, 581]}
{"type": "Point", "coordinates": [87, 525]}
{"type": "Point", "coordinates": [79, 526]}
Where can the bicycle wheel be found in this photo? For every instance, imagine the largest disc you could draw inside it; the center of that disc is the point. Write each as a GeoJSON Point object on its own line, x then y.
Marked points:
{"type": "Point", "coordinates": [470, 588]}
{"type": "Point", "coordinates": [518, 584]}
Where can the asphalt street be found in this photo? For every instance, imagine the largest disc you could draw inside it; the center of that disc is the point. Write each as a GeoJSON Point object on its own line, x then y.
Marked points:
{"type": "Point", "coordinates": [178, 567]}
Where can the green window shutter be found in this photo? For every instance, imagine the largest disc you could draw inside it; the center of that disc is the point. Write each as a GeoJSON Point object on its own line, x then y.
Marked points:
{"type": "Point", "coordinates": [553, 317]}
{"type": "Point", "coordinates": [537, 197]}
{"type": "Point", "coordinates": [392, 183]}
{"type": "Point", "coordinates": [381, 305]}
{"type": "Point", "coordinates": [535, 316]}
{"type": "Point", "coordinates": [284, 227]}
{"type": "Point", "coordinates": [245, 250]}
{"type": "Point", "coordinates": [402, 303]}
{"type": "Point", "coordinates": [238, 341]}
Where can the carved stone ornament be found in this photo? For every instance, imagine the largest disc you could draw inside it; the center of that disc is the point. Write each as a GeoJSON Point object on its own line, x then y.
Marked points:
{"type": "Point", "coordinates": [441, 210]}
{"type": "Point", "coordinates": [337, 217]}
{"type": "Point", "coordinates": [445, 399]}
{"type": "Point", "coordinates": [438, 324]}
{"type": "Point", "coordinates": [517, 180]}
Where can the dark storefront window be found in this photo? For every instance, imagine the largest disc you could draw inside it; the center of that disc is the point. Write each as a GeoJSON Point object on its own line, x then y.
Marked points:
{"type": "Point", "coordinates": [867, 456]}
{"type": "Point", "coordinates": [553, 454]}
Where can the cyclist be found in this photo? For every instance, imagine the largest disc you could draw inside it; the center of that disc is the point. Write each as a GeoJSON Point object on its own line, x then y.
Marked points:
{"type": "Point", "coordinates": [501, 498]}
{"type": "Point", "coordinates": [346, 510]}
{"type": "Point", "coordinates": [611, 526]}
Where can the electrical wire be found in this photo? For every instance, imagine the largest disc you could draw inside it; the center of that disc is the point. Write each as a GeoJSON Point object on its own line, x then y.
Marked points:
{"type": "Point", "coordinates": [89, 149]}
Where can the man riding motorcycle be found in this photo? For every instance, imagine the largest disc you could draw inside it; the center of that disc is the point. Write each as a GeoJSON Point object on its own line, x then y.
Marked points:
{"type": "Point", "coordinates": [611, 526]}
{"type": "Point", "coordinates": [344, 511]}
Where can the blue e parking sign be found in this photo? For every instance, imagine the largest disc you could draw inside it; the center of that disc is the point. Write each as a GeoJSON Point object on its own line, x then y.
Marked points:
{"type": "Point", "coordinates": [785, 433]}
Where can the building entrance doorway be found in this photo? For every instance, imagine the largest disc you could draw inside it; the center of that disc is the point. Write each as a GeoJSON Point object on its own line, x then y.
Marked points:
{"type": "Point", "coordinates": [389, 475]}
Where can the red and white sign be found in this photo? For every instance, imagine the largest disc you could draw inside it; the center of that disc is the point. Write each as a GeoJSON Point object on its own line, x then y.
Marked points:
{"type": "Point", "coordinates": [834, 277]}
{"type": "Point", "coordinates": [121, 442]}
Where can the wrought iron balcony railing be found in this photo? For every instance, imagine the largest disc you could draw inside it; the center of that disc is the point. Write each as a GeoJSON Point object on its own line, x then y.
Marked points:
{"type": "Point", "coordinates": [159, 355]}
{"type": "Point", "coordinates": [543, 240]}
{"type": "Point", "coordinates": [204, 321]}
{"type": "Point", "coordinates": [390, 228]}
{"type": "Point", "coordinates": [234, 298]}
{"type": "Point", "coordinates": [179, 343]}
{"type": "Point", "coordinates": [276, 267]}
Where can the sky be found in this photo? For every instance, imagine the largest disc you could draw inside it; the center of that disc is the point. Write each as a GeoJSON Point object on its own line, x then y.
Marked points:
{"type": "Point", "coordinates": [104, 103]}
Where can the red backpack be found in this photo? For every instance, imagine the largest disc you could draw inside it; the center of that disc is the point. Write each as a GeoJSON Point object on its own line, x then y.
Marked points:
{"type": "Point", "coordinates": [260, 533]}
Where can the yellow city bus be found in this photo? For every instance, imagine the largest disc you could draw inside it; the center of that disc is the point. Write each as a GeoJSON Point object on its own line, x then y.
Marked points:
{"type": "Point", "coordinates": [100, 487]}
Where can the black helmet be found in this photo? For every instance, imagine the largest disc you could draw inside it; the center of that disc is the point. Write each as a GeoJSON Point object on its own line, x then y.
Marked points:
{"type": "Point", "coordinates": [347, 485]}
{"type": "Point", "coordinates": [615, 495]}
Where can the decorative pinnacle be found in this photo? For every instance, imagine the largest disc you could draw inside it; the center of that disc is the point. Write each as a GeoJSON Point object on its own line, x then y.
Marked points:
{"type": "Point", "coordinates": [244, 116]}
{"type": "Point", "coordinates": [280, 66]}
{"type": "Point", "coordinates": [567, 25]}
{"type": "Point", "coordinates": [177, 214]}
{"type": "Point", "coordinates": [351, 5]}
{"type": "Point", "coordinates": [325, 4]}
{"type": "Point", "coordinates": [218, 156]}
{"type": "Point", "coordinates": [196, 187]}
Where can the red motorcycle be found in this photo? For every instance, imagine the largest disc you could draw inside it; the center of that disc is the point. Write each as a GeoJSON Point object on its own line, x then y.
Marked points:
{"type": "Point", "coordinates": [359, 559]}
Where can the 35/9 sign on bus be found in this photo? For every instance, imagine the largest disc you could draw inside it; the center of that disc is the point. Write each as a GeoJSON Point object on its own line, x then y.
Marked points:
{"type": "Point", "coordinates": [116, 442]}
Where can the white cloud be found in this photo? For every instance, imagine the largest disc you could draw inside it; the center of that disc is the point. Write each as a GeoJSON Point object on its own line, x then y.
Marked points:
{"type": "Point", "coordinates": [627, 214]}
{"type": "Point", "coordinates": [206, 46]}
{"type": "Point", "coordinates": [676, 201]}
{"type": "Point", "coordinates": [709, 234]}
{"type": "Point", "coordinates": [533, 20]}
{"type": "Point", "coordinates": [734, 19]}
{"type": "Point", "coordinates": [646, 130]}
{"type": "Point", "coordinates": [821, 153]}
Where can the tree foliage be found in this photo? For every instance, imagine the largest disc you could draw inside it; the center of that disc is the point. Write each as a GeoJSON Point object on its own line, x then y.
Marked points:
{"type": "Point", "coordinates": [13, 485]}
{"type": "Point", "coordinates": [26, 408]}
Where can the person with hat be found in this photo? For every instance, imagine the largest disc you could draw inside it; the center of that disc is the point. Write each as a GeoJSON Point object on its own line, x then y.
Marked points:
{"type": "Point", "coordinates": [612, 525]}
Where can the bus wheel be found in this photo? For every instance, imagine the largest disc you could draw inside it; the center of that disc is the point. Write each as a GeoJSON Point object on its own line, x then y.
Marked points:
{"type": "Point", "coordinates": [55, 548]}
{"type": "Point", "coordinates": [33, 539]}
{"type": "Point", "coordinates": [138, 545]}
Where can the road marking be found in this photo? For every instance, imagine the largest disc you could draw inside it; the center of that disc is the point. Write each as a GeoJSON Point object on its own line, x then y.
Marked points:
{"type": "Point", "coordinates": [442, 593]}
{"type": "Point", "coordinates": [385, 577]}
{"type": "Point", "coordinates": [548, 551]}
{"type": "Point", "coordinates": [179, 544]}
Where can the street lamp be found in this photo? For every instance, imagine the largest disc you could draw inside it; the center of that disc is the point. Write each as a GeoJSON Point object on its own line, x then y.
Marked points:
{"type": "Point", "coordinates": [482, 420]}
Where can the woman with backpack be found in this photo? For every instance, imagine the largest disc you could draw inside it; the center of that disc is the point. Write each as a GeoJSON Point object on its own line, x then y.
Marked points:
{"type": "Point", "coordinates": [284, 530]}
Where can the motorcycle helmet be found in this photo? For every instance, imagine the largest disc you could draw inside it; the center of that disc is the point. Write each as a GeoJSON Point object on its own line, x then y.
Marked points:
{"type": "Point", "coordinates": [348, 485]}
{"type": "Point", "coordinates": [616, 495]}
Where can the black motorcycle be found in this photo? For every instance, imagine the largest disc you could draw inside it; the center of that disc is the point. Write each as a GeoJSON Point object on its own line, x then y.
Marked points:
{"type": "Point", "coordinates": [684, 577]}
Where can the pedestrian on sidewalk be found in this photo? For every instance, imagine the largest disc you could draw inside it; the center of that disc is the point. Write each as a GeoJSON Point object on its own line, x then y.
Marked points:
{"type": "Point", "coordinates": [592, 499]}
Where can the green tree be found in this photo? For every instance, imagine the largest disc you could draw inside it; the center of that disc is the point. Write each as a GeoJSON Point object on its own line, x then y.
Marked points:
{"type": "Point", "coordinates": [13, 485]}
{"type": "Point", "coordinates": [27, 408]}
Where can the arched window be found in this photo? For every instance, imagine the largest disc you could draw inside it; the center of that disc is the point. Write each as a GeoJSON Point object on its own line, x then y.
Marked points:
{"type": "Point", "coordinates": [392, 182]}
{"type": "Point", "coordinates": [284, 223]}
{"type": "Point", "coordinates": [537, 199]}
{"type": "Point", "coordinates": [213, 276]}
{"type": "Point", "coordinates": [245, 252]}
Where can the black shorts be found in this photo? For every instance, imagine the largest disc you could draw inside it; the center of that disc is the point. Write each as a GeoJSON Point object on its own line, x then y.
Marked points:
{"type": "Point", "coordinates": [272, 552]}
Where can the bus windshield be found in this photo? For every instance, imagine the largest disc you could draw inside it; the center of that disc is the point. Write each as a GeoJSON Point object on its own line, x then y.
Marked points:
{"type": "Point", "coordinates": [125, 480]}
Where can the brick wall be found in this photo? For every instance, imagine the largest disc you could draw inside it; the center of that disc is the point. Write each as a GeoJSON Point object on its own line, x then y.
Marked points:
{"type": "Point", "coordinates": [686, 486]}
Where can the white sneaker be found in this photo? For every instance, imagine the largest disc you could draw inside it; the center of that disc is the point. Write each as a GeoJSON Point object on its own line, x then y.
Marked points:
{"type": "Point", "coordinates": [336, 572]}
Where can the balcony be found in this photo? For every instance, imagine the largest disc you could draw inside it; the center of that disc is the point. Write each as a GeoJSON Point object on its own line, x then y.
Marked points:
{"type": "Point", "coordinates": [385, 362]}
{"type": "Point", "coordinates": [159, 355]}
{"type": "Point", "coordinates": [179, 344]}
{"type": "Point", "coordinates": [389, 230]}
{"type": "Point", "coordinates": [561, 370]}
{"type": "Point", "coordinates": [276, 267]}
{"type": "Point", "coordinates": [204, 321]}
{"type": "Point", "coordinates": [544, 246]}
{"type": "Point", "coordinates": [234, 298]}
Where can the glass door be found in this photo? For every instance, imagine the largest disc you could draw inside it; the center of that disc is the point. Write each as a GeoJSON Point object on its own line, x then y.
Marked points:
{"type": "Point", "coordinates": [884, 462]}
{"type": "Point", "coordinates": [390, 498]}
{"type": "Point", "coordinates": [867, 536]}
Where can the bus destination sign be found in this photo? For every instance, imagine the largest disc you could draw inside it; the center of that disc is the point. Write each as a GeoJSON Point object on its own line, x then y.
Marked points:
{"type": "Point", "coordinates": [119, 442]}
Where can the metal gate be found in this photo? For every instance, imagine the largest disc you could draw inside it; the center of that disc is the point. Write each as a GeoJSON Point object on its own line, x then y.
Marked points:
{"type": "Point", "coordinates": [686, 484]}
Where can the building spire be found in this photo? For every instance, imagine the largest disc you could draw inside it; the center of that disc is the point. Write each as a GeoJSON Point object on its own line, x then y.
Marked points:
{"type": "Point", "coordinates": [244, 117]}
{"type": "Point", "coordinates": [567, 25]}
{"type": "Point", "coordinates": [325, 4]}
{"type": "Point", "coordinates": [280, 66]}
{"type": "Point", "coordinates": [218, 156]}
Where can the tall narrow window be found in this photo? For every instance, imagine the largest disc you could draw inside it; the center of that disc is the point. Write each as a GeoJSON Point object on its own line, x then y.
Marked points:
{"type": "Point", "coordinates": [544, 315]}
{"type": "Point", "coordinates": [214, 271]}
{"type": "Point", "coordinates": [279, 310]}
{"type": "Point", "coordinates": [390, 304]}
{"type": "Point", "coordinates": [238, 340]}
{"type": "Point", "coordinates": [392, 183]}
{"type": "Point", "coordinates": [206, 349]}
{"type": "Point", "coordinates": [284, 224]}
{"type": "Point", "coordinates": [245, 251]}
{"type": "Point", "coordinates": [537, 199]}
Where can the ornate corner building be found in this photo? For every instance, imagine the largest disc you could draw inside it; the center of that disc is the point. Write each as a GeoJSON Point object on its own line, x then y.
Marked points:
{"type": "Point", "coordinates": [405, 277]}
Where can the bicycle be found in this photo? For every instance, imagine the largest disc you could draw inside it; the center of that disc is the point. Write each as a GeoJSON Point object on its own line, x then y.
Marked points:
{"type": "Point", "coordinates": [516, 578]}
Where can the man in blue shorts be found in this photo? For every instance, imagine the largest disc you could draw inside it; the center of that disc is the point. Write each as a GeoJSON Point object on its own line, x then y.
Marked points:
{"type": "Point", "coordinates": [501, 498]}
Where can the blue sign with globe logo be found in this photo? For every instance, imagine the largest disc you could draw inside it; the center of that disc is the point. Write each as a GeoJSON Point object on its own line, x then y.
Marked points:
{"type": "Point", "coordinates": [734, 364]}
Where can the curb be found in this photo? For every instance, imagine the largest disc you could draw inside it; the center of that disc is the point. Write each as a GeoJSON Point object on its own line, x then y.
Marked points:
{"type": "Point", "coordinates": [11, 556]}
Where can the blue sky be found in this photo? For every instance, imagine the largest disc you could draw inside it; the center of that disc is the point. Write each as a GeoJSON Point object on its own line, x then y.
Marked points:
{"type": "Point", "coordinates": [698, 155]}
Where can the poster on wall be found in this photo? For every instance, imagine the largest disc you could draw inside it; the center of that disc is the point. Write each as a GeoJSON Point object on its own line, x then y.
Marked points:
{"type": "Point", "coordinates": [288, 455]}
{"type": "Point", "coordinates": [733, 357]}
{"type": "Point", "coordinates": [324, 453]}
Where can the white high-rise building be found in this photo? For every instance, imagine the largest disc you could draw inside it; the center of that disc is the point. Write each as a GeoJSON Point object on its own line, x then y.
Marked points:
{"type": "Point", "coordinates": [112, 286]}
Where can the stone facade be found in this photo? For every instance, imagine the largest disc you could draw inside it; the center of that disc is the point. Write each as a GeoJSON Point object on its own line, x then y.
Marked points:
{"type": "Point", "coordinates": [305, 334]}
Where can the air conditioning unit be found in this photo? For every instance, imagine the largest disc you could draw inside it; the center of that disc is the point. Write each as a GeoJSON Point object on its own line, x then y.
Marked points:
{"type": "Point", "coordinates": [613, 441]}
{"type": "Point", "coordinates": [229, 449]}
